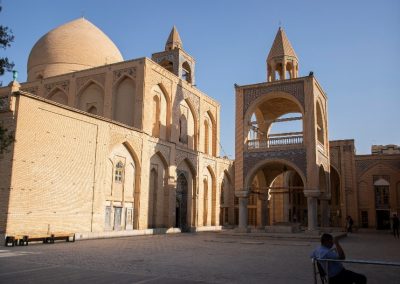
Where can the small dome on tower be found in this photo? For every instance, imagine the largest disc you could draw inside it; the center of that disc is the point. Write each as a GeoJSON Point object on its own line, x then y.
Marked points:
{"type": "Point", "coordinates": [74, 46]}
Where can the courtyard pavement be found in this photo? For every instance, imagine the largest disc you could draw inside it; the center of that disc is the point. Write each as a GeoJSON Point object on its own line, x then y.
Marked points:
{"type": "Point", "coordinates": [212, 257]}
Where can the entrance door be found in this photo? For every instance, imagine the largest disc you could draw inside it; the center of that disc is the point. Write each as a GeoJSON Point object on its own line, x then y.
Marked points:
{"type": "Point", "coordinates": [117, 218]}
{"type": "Point", "coordinates": [181, 203]}
{"type": "Point", "coordinates": [382, 219]}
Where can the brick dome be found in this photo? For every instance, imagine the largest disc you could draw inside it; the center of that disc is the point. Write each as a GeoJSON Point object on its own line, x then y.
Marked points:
{"type": "Point", "coordinates": [74, 46]}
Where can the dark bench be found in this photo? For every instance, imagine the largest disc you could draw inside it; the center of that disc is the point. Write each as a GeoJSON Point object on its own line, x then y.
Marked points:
{"type": "Point", "coordinates": [23, 240]}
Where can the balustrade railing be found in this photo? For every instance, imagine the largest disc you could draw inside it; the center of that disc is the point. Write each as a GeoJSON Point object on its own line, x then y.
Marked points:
{"type": "Point", "coordinates": [274, 142]}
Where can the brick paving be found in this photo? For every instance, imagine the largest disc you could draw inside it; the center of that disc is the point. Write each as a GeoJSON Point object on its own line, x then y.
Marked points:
{"type": "Point", "coordinates": [191, 258]}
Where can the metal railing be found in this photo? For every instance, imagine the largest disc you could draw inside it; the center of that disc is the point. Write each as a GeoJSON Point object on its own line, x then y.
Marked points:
{"type": "Point", "coordinates": [357, 261]}
{"type": "Point", "coordinates": [274, 142]}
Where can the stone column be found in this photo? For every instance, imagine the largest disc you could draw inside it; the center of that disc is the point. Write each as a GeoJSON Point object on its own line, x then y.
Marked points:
{"type": "Point", "coordinates": [324, 212]}
{"type": "Point", "coordinates": [283, 70]}
{"type": "Point", "coordinates": [170, 202]}
{"type": "Point", "coordinates": [312, 208]}
{"type": "Point", "coordinates": [243, 200]}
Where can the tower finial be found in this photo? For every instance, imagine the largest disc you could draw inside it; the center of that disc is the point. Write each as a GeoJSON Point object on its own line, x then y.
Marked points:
{"type": "Point", "coordinates": [282, 58]}
{"type": "Point", "coordinates": [174, 40]}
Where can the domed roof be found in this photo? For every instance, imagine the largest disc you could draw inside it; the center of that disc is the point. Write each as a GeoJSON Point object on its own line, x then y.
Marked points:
{"type": "Point", "coordinates": [74, 46]}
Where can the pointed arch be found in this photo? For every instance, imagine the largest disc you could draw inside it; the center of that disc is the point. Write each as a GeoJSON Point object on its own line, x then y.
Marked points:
{"type": "Point", "coordinates": [192, 129]}
{"type": "Point", "coordinates": [213, 133]}
{"type": "Point", "coordinates": [320, 121]}
{"type": "Point", "coordinates": [213, 194]}
{"type": "Point", "coordinates": [91, 96]}
{"type": "Point", "coordinates": [161, 113]}
{"type": "Point", "coordinates": [186, 72]}
{"type": "Point", "coordinates": [123, 105]}
{"type": "Point", "coordinates": [58, 95]}
{"type": "Point", "coordinates": [158, 198]}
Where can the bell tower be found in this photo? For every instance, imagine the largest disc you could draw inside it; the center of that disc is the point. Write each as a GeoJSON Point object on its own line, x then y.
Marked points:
{"type": "Point", "coordinates": [175, 59]}
{"type": "Point", "coordinates": [282, 160]}
{"type": "Point", "coordinates": [282, 62]}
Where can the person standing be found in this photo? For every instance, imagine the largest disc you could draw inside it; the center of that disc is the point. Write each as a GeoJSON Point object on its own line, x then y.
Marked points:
{"type": "Point", "coordinates": [337, 274]}
{"type": "Point", "coordinates": [395, 225]}
{"type": "Point", "coordinates": [349, 224]}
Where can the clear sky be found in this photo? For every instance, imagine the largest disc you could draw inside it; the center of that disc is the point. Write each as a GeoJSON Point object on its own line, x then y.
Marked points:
{"type": "Point", "coordinates": [353, 48]}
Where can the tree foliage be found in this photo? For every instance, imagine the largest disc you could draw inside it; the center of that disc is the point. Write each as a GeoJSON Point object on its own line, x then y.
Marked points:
{"type": "Point", "coordinates": [6, 138]}
{"type": "Point", "coordinates": [6, 38]}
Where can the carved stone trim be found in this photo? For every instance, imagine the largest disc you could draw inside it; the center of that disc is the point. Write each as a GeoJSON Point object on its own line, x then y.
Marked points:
{"type": "Point", "coordinates": [33, 90]}
{"type": "Point", "coordinates": [63, 85]}
{"type": "Point", "coordinates": [296, 156]}
{"type": "Point", "coordinates": [296, 89]}
{"type": "Point", "coordinates": [81, 81]}
{"type": "Point", "coordinates": [131, 72]}
{"type": "Point", "coordinates": [182, 155]}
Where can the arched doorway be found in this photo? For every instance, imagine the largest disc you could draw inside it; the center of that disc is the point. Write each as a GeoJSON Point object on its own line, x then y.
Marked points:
{"type": "Point", "coordinates": [181, 203]}
{"type": "Point", "coordinates": [276, 195]}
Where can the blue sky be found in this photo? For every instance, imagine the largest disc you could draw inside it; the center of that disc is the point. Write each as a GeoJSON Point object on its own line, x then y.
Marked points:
{"type": "Point", "coordinates": [353, 48]}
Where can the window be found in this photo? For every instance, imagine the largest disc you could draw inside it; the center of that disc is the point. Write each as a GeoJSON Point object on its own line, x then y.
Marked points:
{"type": "Point", "coordinates": [118, 174]}
{"type": "Point", "coordinates": [364, 219]}
{"type": "Point", "coordinates": [183, 130]}
{"type": "Point", "coordinates": [381, 196]}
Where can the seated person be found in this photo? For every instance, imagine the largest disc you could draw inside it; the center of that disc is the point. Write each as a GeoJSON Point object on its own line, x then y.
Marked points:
{"type": "Point", "coordinates": [335, 270]}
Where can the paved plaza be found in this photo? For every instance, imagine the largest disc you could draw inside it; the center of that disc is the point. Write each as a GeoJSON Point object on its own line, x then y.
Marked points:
{"type": "Point", "coordinates": [217, 257]}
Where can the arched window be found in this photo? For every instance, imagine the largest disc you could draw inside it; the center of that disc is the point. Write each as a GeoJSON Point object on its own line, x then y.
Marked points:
{"type": "Point", "coordinates": [320, 125]}
{"type": "Point", "coordinates": [186, 72]}
{"type": "Point", "coordinates": [156, 116]}
{"type": "Point", "coordinates": [222, 197]}
{"type": "Point", "coordinates": [205, 202]}
{"type": "Point", "coordinates": [92, 110]}
{"type": "Point", "coordinates": [206, 137]}
{"type": "Point", "coordinates": [119, 172]}
{"type": "Point", "coordinates": [167, 65]}
{"type": "Point", "coordinates": [183, 129]}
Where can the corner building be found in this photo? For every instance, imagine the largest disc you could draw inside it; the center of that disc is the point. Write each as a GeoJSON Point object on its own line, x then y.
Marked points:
{"type": "Point", "coordinates": [107, 147]}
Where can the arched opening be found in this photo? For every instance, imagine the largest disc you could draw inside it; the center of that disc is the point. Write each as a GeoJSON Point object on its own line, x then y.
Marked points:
{"type": "Point", "coordinates": [168, 65]}
{"type": "Point", "coordinates": [320, 126]}
{"type": "Point", "coordinates": [224, 201]}
{"type": "Point", "coordinates": [156, 117]}
{"type": "Point", "coordinates": [206, 137]}
{"type": "Point", "coordinates": [382, 206]}
{"type": "Point", "coordinates": [205, 201]}
{"type": "Point", "coordinates": [335, 202]}
{"type": "Point", "coordinates": [153, 196]}
{"type": "Point", "coordinates": [273, 123]}
{"type": "Point", "coordinates": [121, 191]}
{"type": "Point", "coordinates": [278, 71]}
{"type": "Point", "coordinates": [158, 201]}
{"type": "Point", "coordinates": [58, 96]}
{"type": "Point", "coordinates": [91, 99]}
{"type": "Point", "coordinates": [289, 70]}
{"type": "Point", "coordinates": [124, 101]}
{"type": "Point", "coordinates": [188, 119]}
{"type": "Point", "coordinates": [160, 113]}
{"type": "Point", "coordinates": [186, 72]}
{"type": "Point", "coordinates": [181, 203]}
{"type": "Point", "coordinates": [183, 129]}
{"type": "Point", "coordinates": [276, 195]}
{"type": "Point", "coordinates": [188, 171]}
{"type": "Point", "coordinates": [92, 110]}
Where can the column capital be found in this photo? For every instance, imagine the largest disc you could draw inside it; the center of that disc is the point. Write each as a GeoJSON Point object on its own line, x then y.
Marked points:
{"type": "Point", "coordinates": [312, 193]}
{"type": "Point", "coordinates": [243, 193]}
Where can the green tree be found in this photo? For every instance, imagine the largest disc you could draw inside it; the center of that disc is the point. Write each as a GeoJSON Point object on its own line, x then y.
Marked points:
{"type": "Point", "coordinates": [6, 38]}
{"type": "Point", "coordinates": [6, 138]}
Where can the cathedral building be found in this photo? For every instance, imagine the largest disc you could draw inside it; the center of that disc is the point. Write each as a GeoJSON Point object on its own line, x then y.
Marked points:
{"type": "Point", "coordinates": [110, 147]}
